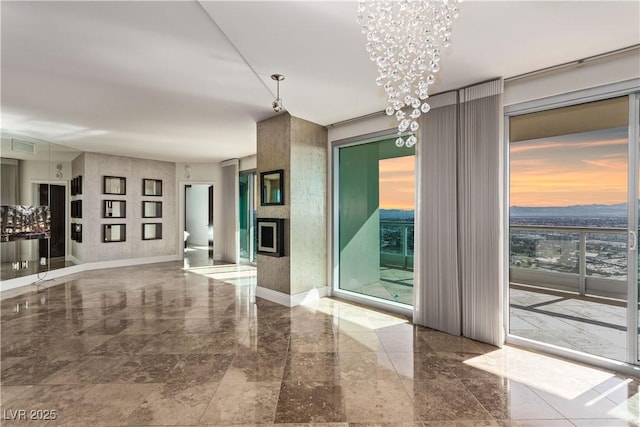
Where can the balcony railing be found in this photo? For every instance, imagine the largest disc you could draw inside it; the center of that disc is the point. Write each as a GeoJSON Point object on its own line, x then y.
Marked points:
{"type": "Point", "coordinates": [585, 260]}
{"type": "Point", "coordinates": [396, 244]}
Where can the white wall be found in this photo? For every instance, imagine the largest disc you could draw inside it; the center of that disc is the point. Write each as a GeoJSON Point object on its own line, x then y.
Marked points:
{"type": "Point", "coordinates": [197, 208]}
{"type": "Point", "coordinates": [202, 173]}
{"type": "Point", "coordinates": [248, 163]}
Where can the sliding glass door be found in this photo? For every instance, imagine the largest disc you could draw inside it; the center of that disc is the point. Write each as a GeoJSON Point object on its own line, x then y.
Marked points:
{"type": "Point", "coordinates": [573, 227]}
{"type": "Point", "coordinates": [374, 188]}
{"type": "Point", "coordinates": [248, 201]}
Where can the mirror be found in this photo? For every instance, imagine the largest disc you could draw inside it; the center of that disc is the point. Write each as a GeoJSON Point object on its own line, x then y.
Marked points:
{"type": "Point", "coordinates": [152, 231]}
{"type": "Point", "coordinates": [114, 209]}
{"type": "Point", "coordinates": [114, 233]}
{"type": "Point", "coordinates": [151, 209]}
{"type": "Point", "coordinates": [76, 209]}
{"type": "Point", "coordinates": [114, 185]}
{"type": "Point", "coordinates": [272, 188]}
{"type": "Point", "coordinates": [36, 175]}
{"type": "Point", "coordinates": [152, 187]}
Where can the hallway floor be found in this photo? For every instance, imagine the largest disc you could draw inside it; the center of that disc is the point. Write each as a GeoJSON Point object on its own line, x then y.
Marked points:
{"type": "Point", "coordinates": [159, 345]}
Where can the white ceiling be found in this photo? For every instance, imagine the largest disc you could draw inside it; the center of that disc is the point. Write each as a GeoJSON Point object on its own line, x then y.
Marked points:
{"type": "Point", "coordinates": [187, 81]}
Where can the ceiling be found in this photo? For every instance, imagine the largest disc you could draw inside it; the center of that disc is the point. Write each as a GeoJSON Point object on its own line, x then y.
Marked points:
{"type": "Point", "coordinates": [186, 81]}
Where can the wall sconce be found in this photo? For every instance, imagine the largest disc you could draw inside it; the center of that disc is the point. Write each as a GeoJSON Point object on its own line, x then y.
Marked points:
{"type": "Point", "coordinates": [187, 171]}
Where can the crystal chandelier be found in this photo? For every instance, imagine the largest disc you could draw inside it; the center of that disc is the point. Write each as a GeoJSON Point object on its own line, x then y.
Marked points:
{"type": "Point", "coordinates": [404, 38]}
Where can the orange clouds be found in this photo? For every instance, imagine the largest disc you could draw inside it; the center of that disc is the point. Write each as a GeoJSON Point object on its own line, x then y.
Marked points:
{"type": "Point", "coordinates": [397, 183]}
{"type": "Point", "coordinates": [570, 172]}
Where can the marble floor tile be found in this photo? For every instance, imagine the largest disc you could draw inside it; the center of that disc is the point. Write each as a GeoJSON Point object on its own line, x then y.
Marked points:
{"type": "Point", "coordinates": [242, 403]}
{"type": "Point", "coordinates": [31, 370]}
{"type": "Point", "coordinates": [366, 366]}
{"type": "Point", "coordinates": [378, 401]}
{"type": "Point", "coordinates": [57, 398]}
{"type": "Point", "coordinates": [104, 405]}
{"type": "Point", "coordinates": [444, 400]}
{"type": "Point", "coordinates": [199, 368]}
{"type": "Point", "coordinates": [506, 399]}
{"type": "Point", "coordinates": [173, 404]}
{"type": "Point", "coordinates": [122, 345]}
{"type": "Point", "coordinates": [312, 367]}
{"type": "Point", "coordinates": [416, 366]}
{"type": "Point", "coordinates": [310, 402]}
{"type": "Point", "coordinates": [255, 367]}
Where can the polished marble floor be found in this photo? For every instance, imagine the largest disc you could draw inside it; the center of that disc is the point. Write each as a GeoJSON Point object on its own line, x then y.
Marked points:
{"type": "Point", "coordinates": [163, 345]}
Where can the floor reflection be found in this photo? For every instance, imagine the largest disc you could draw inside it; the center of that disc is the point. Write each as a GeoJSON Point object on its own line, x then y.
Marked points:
{"type": "Point", "coordinates": [167, 345]}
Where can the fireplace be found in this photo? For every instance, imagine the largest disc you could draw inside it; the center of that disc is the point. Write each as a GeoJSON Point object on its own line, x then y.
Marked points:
{"type": "Point", "coordinates": [271, 236]}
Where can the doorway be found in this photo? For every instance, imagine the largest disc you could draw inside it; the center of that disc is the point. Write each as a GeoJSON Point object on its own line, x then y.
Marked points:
{"type": "Point", "coordinates": [198, 225]}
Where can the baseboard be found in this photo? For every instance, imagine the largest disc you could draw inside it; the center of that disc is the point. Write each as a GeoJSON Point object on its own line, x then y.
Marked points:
{"type": "Point", "coordinates": [6, 285]}
{"type": "Point", "coordinates": [292, 300]}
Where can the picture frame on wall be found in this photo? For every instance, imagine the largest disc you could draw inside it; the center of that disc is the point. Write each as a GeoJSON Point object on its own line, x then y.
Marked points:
{"type": "Point", "coordinates": [270, 236]}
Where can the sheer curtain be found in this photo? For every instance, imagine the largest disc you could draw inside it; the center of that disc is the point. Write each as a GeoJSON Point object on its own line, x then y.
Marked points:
{"type": "Point", "coordinates": [479, 211]}
{"type": "Point", "coordinates": [437, 290]}
{"type": "Point", "coordinates": [458, 286]}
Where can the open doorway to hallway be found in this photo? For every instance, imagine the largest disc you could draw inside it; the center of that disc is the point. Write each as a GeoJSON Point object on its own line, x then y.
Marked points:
{"type": "Point", "coordinates": [198, 225]}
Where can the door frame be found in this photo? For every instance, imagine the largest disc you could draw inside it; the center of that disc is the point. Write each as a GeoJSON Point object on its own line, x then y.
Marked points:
{"type": "Point", "coordinates": [182, 209]}
{"type": "Point", "coordinates": [631, 89]}
{"type": "Point", "coordinates": [67, 220]}
{"type": "Point", "coordinates": [334, 224]}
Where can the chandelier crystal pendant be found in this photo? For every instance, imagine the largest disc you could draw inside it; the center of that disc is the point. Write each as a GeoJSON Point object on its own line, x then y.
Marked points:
{"type": "Point", "coordinates": [405, 38]}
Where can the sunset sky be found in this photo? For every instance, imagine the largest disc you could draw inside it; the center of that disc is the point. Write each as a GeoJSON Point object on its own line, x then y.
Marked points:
{"type": "Point", "coordinates": [397, 183]}
{"type": "Point", "coordinates": [569, 170]}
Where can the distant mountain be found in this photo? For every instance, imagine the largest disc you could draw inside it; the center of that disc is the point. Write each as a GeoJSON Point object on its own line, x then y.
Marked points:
{"type": "Point", "coordinates": [396, 215]}
{"type": "Point", "coordinates": [589, 211]}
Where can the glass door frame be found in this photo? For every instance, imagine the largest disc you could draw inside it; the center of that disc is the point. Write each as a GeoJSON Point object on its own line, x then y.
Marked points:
{"type": "Point", "coordinates": [631, 89]}
{"type": "Point", "coordinates": [632, 264]}
{"type": "Point", "coordinates": [251, 216]}
{"type": "Point", "coordinates": [334, 230]}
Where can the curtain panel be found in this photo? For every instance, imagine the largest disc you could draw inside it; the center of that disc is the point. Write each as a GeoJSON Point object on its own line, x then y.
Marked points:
{"type": "Point", "coordinates": [458, 286]}
{"type": "Point", "coordinates": [437, 296]}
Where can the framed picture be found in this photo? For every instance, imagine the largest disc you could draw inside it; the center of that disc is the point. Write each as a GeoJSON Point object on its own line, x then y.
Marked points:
{"type": "Point", "coordinates": [114, 233]}
{"type": "Point", "coordinates": [152, 187]}
{"type": "Point", "coordinates": [114, 209]}
{"type": "Point", "coordinates": [151, 209]}
{"type": "Point", "coordinates": [271, 236]}
{"type": "Point", "coordinates": [152, 231]}
{"type": "Point", "coordinates": [114, 185]}
{"type": "Point", "coordinates": [272, 188]}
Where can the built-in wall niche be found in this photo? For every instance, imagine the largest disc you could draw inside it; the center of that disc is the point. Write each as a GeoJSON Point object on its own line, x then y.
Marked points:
{"type": "Point", "coordinates": [151, 209]}
{"type": "Point", "coordinates": [114, 233]}
{"type": "Point", "coordinates": [114, 185]}
{"type": "Point", "coordinates": [76, 209]}
{"type": "Point", "coordinates": [152, 231]}
{"type": "Point", "coordinates": [76, 232]}
{"type": "Point", "coordinates": [271, 236]}
{"type": "Point", "coordinates": [152, 187]}
{"type": "Point", "coordinates": [114, 209]}
{"type": "Point", "coordinates": [76, 185]}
